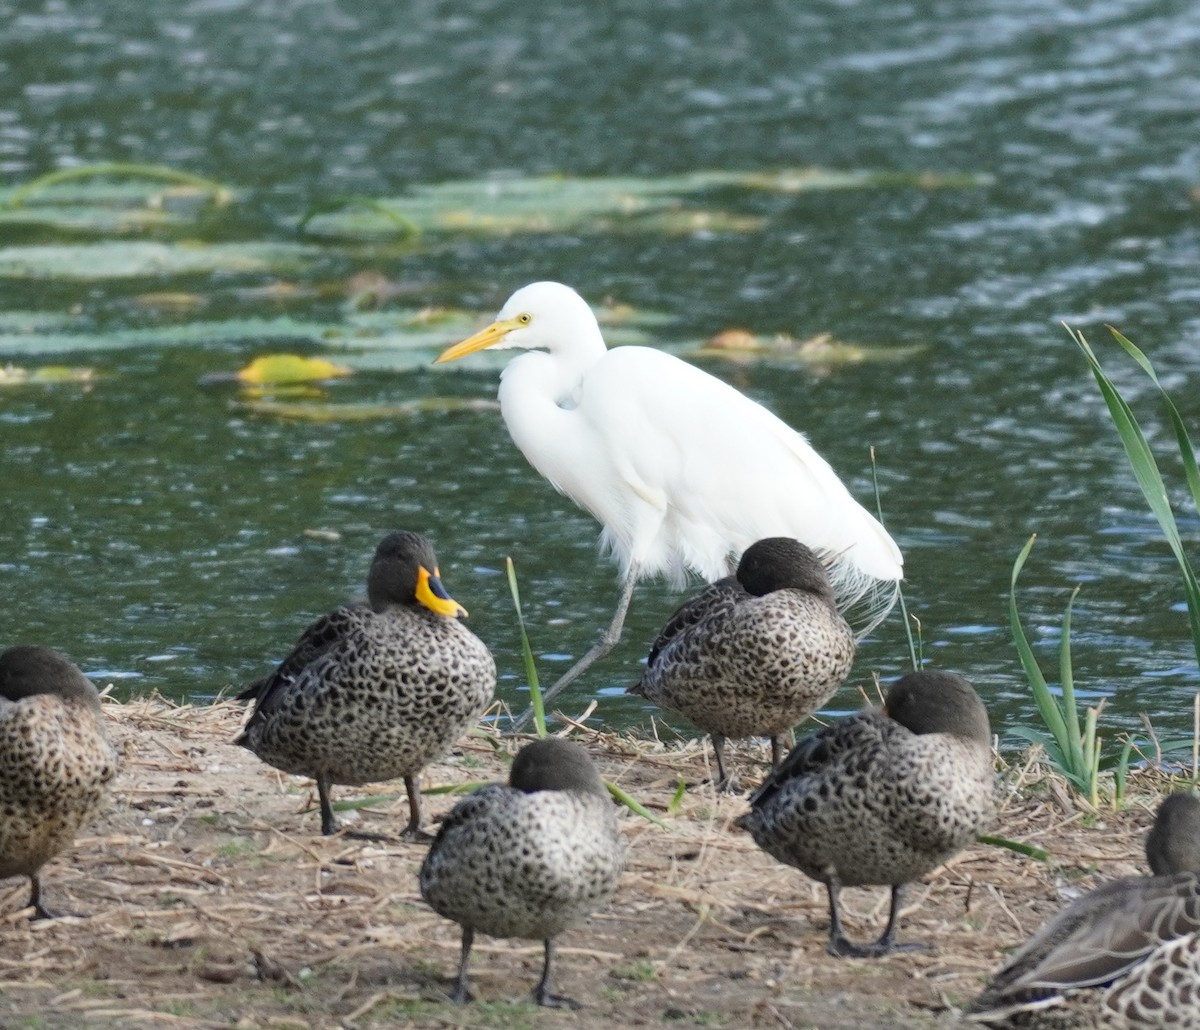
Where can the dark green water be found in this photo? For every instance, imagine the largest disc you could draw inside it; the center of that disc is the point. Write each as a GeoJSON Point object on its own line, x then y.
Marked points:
{"type": "Point", "coordinates": [155, 531]}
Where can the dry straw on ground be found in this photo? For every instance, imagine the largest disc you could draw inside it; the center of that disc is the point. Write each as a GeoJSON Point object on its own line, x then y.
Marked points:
{"type": "Point", "coordinates": [211, 900]}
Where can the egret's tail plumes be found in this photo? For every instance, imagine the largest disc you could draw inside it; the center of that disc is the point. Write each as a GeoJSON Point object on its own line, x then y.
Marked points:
{"type": "Point", "coordinates": [863, 600]}
{"type": "Point", "coordinates": [863, 597]}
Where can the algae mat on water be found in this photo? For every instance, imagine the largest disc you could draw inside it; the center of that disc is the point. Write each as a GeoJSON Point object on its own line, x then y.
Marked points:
{"type": "Point", "coordinates": [389, 340]}
{"type": "Point", "coordinates": [117, 200]}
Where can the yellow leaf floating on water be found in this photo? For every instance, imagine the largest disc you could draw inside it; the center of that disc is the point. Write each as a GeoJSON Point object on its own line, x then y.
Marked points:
{"type": "Point", "coordinates": [170, 301]}
{"type": "Point", "coordinates": [364, 412]}
{"type": "Point", "coordinates": [820, 352]}
{"type": "Point", "coordinates": [12, 375]}
{"type": "Point", "coordinates": [289, 368]}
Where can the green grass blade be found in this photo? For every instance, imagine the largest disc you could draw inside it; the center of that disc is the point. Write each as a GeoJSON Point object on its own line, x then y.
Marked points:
{"type": "Point", "coordinates": [1187, 451]}
{"type": "Point", "coordinates": [1029, 850]}
{"type": "Point", "coordinates": [1187, 455]}
{"type": "Point", "coordinates": [1091, 758]}
{"type": "Point", "coordinates": [1146, 471]}
{"type": "Point", "coordinates": [1047, 705]}
{"type": "Point", "coordinates": [535, 689]}
{"type": "Point", "coordinates": [634, 805]}
{"type": "Point", "coordinates": [912, 647]}
{"type": "Point", "coordinates": [677, 798]}
{"type": "Point", "coordinates": [1067, 682]}
{"type": "Point", "coordinates": [1054, 754]}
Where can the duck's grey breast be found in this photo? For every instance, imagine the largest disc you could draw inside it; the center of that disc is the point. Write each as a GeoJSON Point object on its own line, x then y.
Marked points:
{"type": "Point", "coordinates": [886, 807]}
{"type": "Point", "coordinates": [384, 702]}
{"type": "Point", "coordinates": [524, 865]}
{"type": "Point", "coordinates": [55, 763]}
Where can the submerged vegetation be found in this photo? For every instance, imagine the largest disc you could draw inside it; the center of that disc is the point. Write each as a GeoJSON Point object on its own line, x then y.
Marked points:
{"type": "Point", "coordinates": [121, 199]}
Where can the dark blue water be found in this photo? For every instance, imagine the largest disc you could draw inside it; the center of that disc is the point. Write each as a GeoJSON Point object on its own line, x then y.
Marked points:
{"type": "Point", "coordinates": [156, 531]}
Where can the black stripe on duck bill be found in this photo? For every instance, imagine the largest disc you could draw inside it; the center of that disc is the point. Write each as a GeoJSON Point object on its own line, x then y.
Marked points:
{"type": "Point", "coordinates": [436, 597]}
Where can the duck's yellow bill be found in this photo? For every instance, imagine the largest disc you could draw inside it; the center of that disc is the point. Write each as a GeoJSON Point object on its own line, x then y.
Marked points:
{"type": "Point", "coordinates": [435, 597]}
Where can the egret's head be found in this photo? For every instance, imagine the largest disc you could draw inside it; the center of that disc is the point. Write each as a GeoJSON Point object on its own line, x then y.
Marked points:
{"type": "Point", "coordinates": [538, 316]}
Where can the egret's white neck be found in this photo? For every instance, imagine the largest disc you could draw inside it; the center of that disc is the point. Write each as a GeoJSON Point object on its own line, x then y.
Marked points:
{"type": "Point", "coordinates": [538, 393]}
{"type": "Point", "coordinates": [555, 375]}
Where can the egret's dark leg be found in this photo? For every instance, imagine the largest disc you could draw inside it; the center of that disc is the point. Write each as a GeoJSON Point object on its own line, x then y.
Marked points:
{"type": "Point", "coordinates": [605, 644]}
{"type": "Point", "coordinates": [542, 993]}
{"type": "Point", "coordinates": [727, 781]}
{"type": "Point", "coordinates": [40, 911]}
{"type": "Point", "coordinates": [329, 825]}
{"type": "Point", "coordinates": [415, 817]}
{"type": "Point", "coordinates": [462, 992]}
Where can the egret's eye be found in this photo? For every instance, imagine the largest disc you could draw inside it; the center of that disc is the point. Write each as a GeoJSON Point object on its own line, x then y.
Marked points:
{"type": "Point", "coordinates": [524, 318]}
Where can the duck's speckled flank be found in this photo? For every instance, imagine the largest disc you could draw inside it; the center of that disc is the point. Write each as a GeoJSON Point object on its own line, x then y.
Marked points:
{"type": "Point", "coordinates": [882, 797]}
{"type": "Point", "coordinates": [529, 859]}
{"type": "Point", "coordinates": [391, 688]}
{"type": "Point", "coordinates": [55, 761]}
{"type": "Point", "coordinates": [1124, 957]}
{"type": "Point", "coordinates": [755, 654]}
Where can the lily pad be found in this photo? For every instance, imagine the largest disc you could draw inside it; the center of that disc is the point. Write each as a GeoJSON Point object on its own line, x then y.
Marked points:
{"type": "Point", "coordinates": [112, 198]}
{"type": "Point", "coordinates": [278, 369]}
{"type": "Point", "coordinates": [506, 205]}
{"type": "Point", "coordinates": [308, 411]}
{"type": "Point", "coordinates": [169, 300]}
{"type": "Point", "coordinates": [59, 338]}
{"type": "Point", "coordinates": [387, 339]}
{"type": "Point", "coordinates": [821, 351]}
{"type": "Point", "coordinates": [139, 259]}
{"type": "Point", "coordinates": [12, 375]}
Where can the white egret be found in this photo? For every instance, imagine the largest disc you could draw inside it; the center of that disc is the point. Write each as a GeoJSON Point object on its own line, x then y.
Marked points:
{"type": "Point", "coordinates": [682, 471]}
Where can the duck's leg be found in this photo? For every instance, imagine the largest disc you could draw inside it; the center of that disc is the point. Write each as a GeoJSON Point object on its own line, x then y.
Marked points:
{"type": "Point", "coordinates": [40, 911]}
{"type": "Point", "coordinates": [605, 644]}
{"type": "Point", "coordinates": [727, 781]}
{"type": "Point", "coordinates": [542, 993]}
{"type": "Point", "coordinates": [462, 991]}
{"type": "Point", "coordinates": [887, 942]}
{"type": "Point", "coordinates": [414, 830]}
{"type": "Point", "coordinates": [329, 825]}
{"type": "Point", "coordinates": [781, 744]}
{"type": "Point", "coordinates": [839, 947]}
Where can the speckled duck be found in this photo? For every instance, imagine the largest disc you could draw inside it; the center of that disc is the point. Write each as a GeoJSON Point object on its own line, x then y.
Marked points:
{"type": "Point", "coordinates": [55, 761]}
{"type": "Point", "coordinates": [882, 797]}
{"type": "Point", "coordinates": [377, 691]}
{"type": "Point", "coordinates": [529, 859]}
{"type": "Point", "coordinates": [753, 654]}
{"type": "Point", "coordinates": [1125, 956]}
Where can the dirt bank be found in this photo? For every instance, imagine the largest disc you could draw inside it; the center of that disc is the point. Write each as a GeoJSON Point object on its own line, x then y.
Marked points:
{"type": "Point", "coordinates": [211, 900]}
